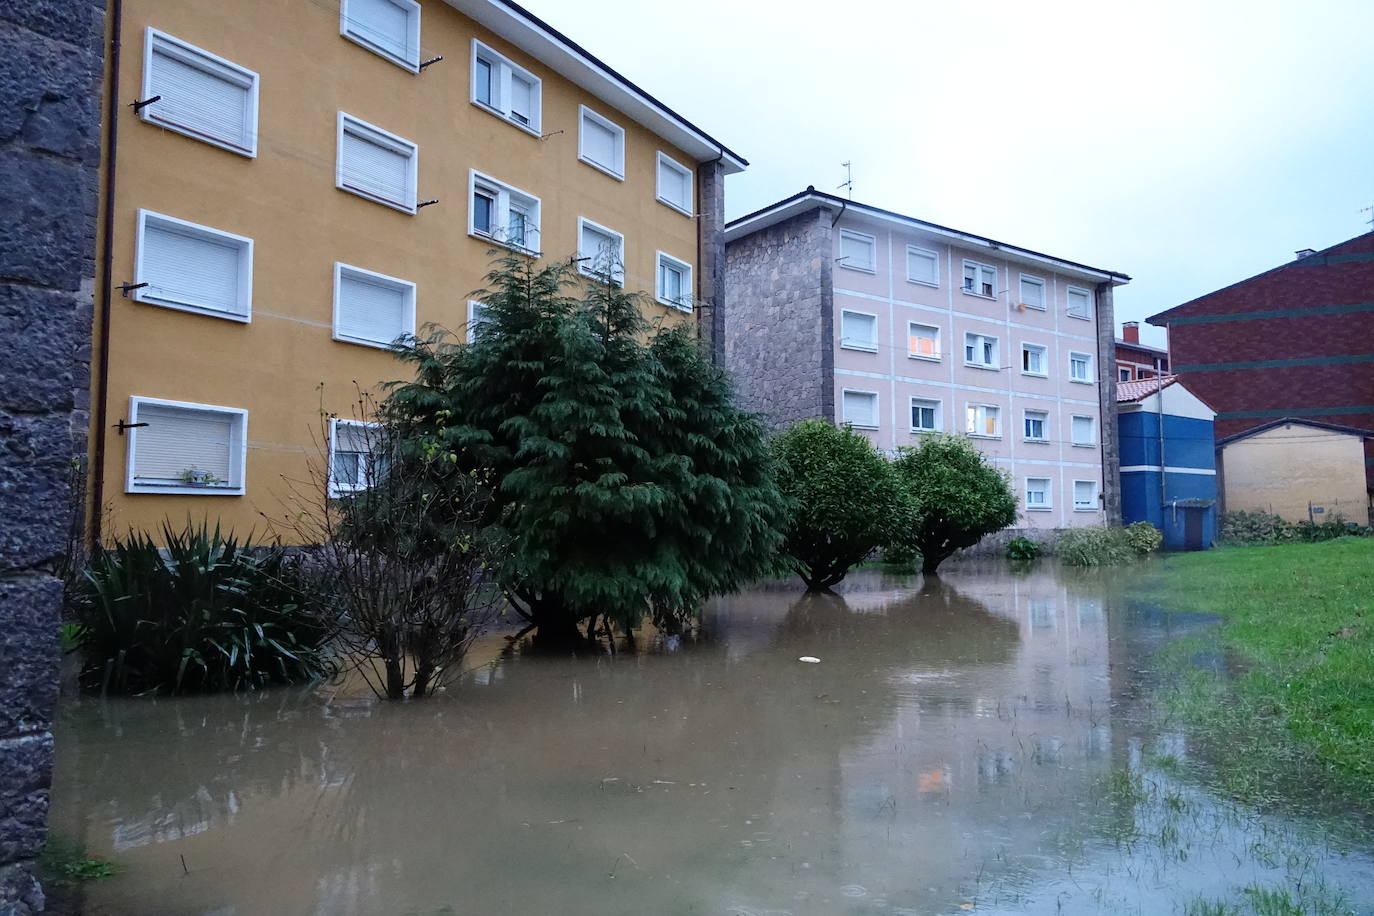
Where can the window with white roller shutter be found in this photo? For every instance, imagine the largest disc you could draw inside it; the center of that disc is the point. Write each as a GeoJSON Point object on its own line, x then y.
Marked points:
{"type": "Point", "coordinates": [199, 94]}
{"type": "Point", "coordinates": [674, 184]}
{"type": "Point", "coordinates": [600, 251]}
{"type": "Point", "coordinates": [178, 447]}
{"type": "Point", "coordinates": [375, 164]}
{"type": "Point", "coordinates": [861, 408]}
{"type": "Point", "coordinates": [602, 144]}
{"type": "Point", "coordinates": [352, 462]}
{"type": "Point", "coordinates": [371, 308]}
{"type": "Point", "coordinates": [390, 28]}
{"type": "Point", "coordinates": [193, 268]}
{"type": "Point", "coordinates": [504, 88]}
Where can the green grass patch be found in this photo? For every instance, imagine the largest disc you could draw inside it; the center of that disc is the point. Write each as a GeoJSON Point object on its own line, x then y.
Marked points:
{"type": "Point", "coordinates": [1284, 690]}
{"type": "Point", "coordinates": [64, 864]}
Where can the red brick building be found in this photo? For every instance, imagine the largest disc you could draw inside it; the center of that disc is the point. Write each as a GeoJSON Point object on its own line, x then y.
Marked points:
{"type": "Point", "coordinates": [1135, 360]}
{"type": "Point", "coordinates": [1295, 341]}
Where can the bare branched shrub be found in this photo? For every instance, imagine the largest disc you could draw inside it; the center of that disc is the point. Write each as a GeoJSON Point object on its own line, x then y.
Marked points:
{"type": "Point", "coordinates": [401, 548]}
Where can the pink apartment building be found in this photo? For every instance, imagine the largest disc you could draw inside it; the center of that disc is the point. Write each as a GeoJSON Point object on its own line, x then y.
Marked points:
{"type": "Point", "coordinates": [900, 327]}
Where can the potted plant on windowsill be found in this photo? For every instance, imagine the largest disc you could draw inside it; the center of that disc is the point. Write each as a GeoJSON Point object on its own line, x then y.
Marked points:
{"type": "Point", "coordinates": [197, 477]}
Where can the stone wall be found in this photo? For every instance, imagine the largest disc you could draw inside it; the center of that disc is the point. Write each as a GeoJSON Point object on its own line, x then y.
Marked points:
{"type": "Point", "coordinates": [1106, 393]}
{"type": "Point", "coordinates": [711, 245]}
{"type": "Point", "coordinates": [50, 71]}
{"type": "Point", "coordinates": [778, 320]}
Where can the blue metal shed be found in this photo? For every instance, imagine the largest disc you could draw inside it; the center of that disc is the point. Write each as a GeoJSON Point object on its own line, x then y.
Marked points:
{"type": "Point", "coordinates": [1168, 461]}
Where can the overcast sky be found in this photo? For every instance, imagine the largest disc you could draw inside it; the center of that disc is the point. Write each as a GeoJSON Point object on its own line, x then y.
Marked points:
{"type": "Point", "coordinates": [1188, 144]}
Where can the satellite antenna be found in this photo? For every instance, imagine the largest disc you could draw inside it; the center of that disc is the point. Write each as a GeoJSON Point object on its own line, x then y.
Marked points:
{"type": "Point", "coordinates": [849, 179]}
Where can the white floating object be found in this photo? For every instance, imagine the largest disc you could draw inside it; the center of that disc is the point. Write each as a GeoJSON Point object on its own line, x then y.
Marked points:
{"type": "Point", "coordinates": [810, 659]}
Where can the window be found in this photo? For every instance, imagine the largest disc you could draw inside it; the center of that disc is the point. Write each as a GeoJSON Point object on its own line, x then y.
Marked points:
{"type": "Point", "coordinates": [202, 96]}
{"type": "Point", "coordinates": [922, 266]}
{"type": "Point", "coordinates": [1038, 493]}
{"type": "Point", "coordinates": [1037, 426]}
{"type": "Point", "coordinates": [600, 252]}
{"type": "Point", "coordinates": [602, 144]}
{"type": "Point", "coordinates": [674, 185]}
{"type": "Point", "coordinates": [858, 251]}
{"type": "Point", "coordinates": [981, 351]}
{"type": "Point", "coordinates": [674, 282]}
{"type": "Point", "coordinates": [858, 331]}
{"type": "Point", "coordinates": [983, 420]}
{"type": "Point", "coordinates": [1080, 367]}
{"type": "Point", "coordinates": [925, 415]}
{"type": "Point", "coordinates": [371, 308]}
{"type": "Point", "coordinates": [980, 279]}
{"type": "Point", "coordinates": [477, 314]}
{"type": "Point", "coordinates": [1032, 292]}
{"type": "Point", "coordinates": [390, 28]}
{"type": "Point", "coordinates": [353, 446]}
{"type": "Point", "coordinates": [1084, 494]}
{"type": "Point", "coordinates": [375, 164]}
{"type": "Point", "coordinates": [193, 268]}
{"type": "Point", "coordinates": [502, 213]}
{"type": "Point", "coordinates": [1083, 430]}
{"type": "Point", "coordinates": [1143, 373]}
{"type": "Point", "coordinates": [1080, 303]}
{"type": "Point", "coordinates": [505, 89]}
{"type": "Point", "coordinates": [1033, 359]}
{"type": "Point", "coordinates": [861, 409]}
{"type": "Point", "coordinates": [1124, 375]}
{"type": "Point", "coordinates": [175, 447]}
{"type": "Point", "coordinates": [922, 341]}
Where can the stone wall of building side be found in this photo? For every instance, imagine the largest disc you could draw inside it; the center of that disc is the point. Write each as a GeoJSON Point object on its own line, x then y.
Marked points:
{"type": "Point", "coordinates": [283, 366]}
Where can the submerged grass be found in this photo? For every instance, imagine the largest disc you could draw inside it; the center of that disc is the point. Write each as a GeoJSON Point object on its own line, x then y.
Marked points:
{"type": "Point", "coordinates": [1284, 691]}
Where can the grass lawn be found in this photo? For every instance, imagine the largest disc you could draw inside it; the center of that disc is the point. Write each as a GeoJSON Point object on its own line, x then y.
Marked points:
{"type": "Point", "coordinates": [1296, 703]}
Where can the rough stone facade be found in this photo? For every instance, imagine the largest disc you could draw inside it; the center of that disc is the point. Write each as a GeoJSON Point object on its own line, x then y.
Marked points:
{"type": "Point", "coordinates": [1106, 394]}
{"type": "Point", "coordinates": [51, 54]}
{"type": "Point", "coordinates": [711, 259]}
{"type": "Point", "coordinates": [779, 317]}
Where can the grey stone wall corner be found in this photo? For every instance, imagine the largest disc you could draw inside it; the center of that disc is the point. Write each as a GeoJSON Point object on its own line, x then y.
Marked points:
{"type": "Point", "coordinates": [710, 307]}
{"type": "Point", "coordinates": [823, 246]}
{"type": "Point", "coordinates": [1106, 392]}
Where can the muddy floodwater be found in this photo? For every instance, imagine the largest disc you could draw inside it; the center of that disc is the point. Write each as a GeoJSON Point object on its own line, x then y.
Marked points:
{"type": "Point", "coordinates": [978, 744]}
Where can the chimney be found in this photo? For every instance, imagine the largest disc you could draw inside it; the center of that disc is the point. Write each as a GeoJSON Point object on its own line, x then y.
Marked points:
{"type": "Point", "coordinates": [1130, 331]}
{"type": "Point", "coordinates": [1305, 253]}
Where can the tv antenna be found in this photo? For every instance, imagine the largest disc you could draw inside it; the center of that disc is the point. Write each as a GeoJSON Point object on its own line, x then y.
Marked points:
{"type": "Point", "coordinates": [1370, 211]}
{"type": "Point", "coordinates": [848, 179]}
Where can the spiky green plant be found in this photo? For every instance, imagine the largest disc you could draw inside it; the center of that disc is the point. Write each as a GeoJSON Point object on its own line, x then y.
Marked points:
{"type": "Point", "coordinates": [203, 612]}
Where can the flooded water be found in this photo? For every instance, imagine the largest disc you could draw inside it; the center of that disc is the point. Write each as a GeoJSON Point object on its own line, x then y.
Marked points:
{"type": "Point", "coordinates": [974, 744]}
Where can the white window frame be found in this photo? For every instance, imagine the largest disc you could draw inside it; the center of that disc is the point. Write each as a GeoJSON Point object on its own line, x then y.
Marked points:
{"type": "Point", "coordinates": [663, 258]}
{"type": "Point", "coordinates": [937, 405]}
{"type": "Point", "coordinates": [847, 343]}
{"type": "Point", "coordinates": [1068, 308]}
{"type": "Point", "coordinates": [506, 198]}
{"type": "Point", "coordinates": [412, 11]}
{"type": "Point", "coordinates": [1044, 417]}
{"type": "Point", "coordinates": [979, 267]}
{"type": "Point", "coordinates": [586, 262]}
{"type": "Point", "coordinates": [348, 124]}
{"type": "Point", "coordinates": [855, 236]}
{"type": "Point", "coordinates": [1048, 489]}
{"type": "Point", "coordinates": [503, 70]}
{"type": "Point", "coordinates": [1120, 372]}
{"type": "Point", "coordinates": [337, 489]}
{"type": "Point", "coordinates": [978, 347]}
{"type": "Point", "coordinates": [206, 62]}
{"type": "Point", "coordinates": [243, 243]}
{"type": "Point", "coordinates": [1033, 282]}
{"type": "Point", "coordinates": [406, 287]}
{"type": "Point", "coordinates": [1093, 503]}
{"type": "Point", "coordinates": [1087, 360]}
{"type": "Point", "coordinates": [981, 414]}
{"type": "Point", "coordinates": [617, 170]}
{"type": "Point", "coordinates": [674, 166]}
{"type": "Point", "coordinates": [937, 355]}
{"type": "Point", "coordinates": [1092, 430]}
{"type": "Point", "coordinates": [239, 443]}
{"type": "Point", "coordinates": [1027, 347]}
{"type": "Point", "coordinates": [476, 316]}
{"type": "Point", "coordinates": [922, 252]}
{"type": "Point", "coordinates": [877, 417]}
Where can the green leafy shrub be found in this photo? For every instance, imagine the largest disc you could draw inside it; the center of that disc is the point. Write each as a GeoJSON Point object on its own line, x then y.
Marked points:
{"type": "Point", "coordinates": [1142, 537]}
{"type": "Point", "coordinates": [1093, 546]}
{"type": "Point", "coordinates": [204, 613]}
{"type": "Point", "coordinates": [1020, 548]}
{"type": "Point", "coordinates": [1257, 527]}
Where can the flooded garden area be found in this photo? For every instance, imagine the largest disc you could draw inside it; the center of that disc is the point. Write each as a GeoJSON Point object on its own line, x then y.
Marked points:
{"type": "Point", "coordinates": [982, 742]}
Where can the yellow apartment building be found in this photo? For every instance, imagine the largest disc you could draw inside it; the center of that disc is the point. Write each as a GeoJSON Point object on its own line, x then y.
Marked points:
{"type": "Point", "coordinates": [289, 185]}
